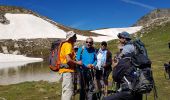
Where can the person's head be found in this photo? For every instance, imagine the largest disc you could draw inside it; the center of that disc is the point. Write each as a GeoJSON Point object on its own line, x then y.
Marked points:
{"type": "Point", "coordinates": [103, 45]}
{"type": "Point", "coordinates": [89, 42]}
{"type": "Point", "coordinates": [124, 37]}
{"type": "Point", "coordinates": [75, 48]}
{"type": "Point", "coordinates": [165, 64]}
{"type": "Point", "coordinates": [71, 36]}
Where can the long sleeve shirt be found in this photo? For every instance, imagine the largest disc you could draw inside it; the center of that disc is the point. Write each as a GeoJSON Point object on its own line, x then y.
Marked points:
{"type": "Point", "coordinates": [87, 56]}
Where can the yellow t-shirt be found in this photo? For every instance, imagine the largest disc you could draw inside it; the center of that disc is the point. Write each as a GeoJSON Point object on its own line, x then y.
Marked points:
{"type": "Point", "coordinates": [66, 49]}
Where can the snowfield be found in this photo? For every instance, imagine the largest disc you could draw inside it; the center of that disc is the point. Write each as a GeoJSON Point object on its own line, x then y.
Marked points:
{"type": "Point", "coordinates": [112, 32]}
{"type": "Point", "coordinates": [28, 26]}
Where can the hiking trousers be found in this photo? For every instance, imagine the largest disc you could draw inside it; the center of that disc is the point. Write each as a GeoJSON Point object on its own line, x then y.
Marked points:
{"type": "Point", "coordinates": [87, 87]}
{"type": "Point", "coordinates": [124, 95]}
{"type": "Point", "coordinates": [67, 86]}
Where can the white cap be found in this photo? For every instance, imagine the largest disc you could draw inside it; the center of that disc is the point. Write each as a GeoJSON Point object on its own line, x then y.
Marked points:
{"type": "Point", "coordinates": [70, 34]}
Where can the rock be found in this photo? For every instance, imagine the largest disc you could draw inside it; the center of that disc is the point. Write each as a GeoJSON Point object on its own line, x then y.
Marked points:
{"type": "Point", "coordinates": [4, 49]}
{"type": "Point", "coordinates": [42, 90]}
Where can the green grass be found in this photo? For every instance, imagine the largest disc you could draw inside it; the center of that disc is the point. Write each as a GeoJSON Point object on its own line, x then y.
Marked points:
{"type": "Point", "coordinates": [31, 91]}
{"type": "Point", "coordinates": [157, 45]}
{"type": "Point", "coordinates": [156, 42]}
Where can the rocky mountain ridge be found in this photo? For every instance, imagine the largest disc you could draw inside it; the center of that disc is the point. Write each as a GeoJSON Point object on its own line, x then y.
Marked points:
{"type": "Point", "coordinates": [153, 19]}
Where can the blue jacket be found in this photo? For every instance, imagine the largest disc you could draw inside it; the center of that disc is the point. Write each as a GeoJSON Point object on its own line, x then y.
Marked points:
{"type": "Point", "coordinates": [87, 56]}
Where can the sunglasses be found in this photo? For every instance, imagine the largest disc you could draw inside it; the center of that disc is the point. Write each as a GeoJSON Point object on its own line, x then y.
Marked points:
{"type": "Point", "coordinates": [89, 42]}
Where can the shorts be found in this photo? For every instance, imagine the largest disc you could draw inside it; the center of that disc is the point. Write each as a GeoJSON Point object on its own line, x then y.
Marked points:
{"type": "Point", "coordinates": [103, 74]}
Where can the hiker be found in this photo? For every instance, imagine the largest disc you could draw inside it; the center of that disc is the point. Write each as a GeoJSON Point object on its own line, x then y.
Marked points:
{"type": "Point", "coordinates": [68, 63]}
{"type": "Point", "coordinates": [87, 54]}
{"type": "Point", "coordinates": [103, 67]}
{"type": "Point", "coordinates": [167, 69]}
{"type": "Point", "coordinates": [124, 65]}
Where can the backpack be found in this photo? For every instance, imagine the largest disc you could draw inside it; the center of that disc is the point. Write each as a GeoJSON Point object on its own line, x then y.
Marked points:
{"type": "Point", "coordinates": [138, 81]}
{"type": "Point", "coordinates": [54, 61]}
{"type": "Point", "coordinates": [140, 57]}
{"type": "Point", "coordinates": [136, 71]}
{"type": "Point", "coordinates": [141, 61]}
{"type": "Point", "coordinates": [145, 82]}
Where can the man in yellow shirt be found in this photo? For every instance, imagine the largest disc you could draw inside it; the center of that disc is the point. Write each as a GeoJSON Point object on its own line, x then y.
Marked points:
{"type": "Point", "coordinates": [68, 64]}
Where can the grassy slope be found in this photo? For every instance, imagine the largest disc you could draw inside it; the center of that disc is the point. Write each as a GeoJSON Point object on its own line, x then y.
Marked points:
{"type": "Point", "coordinates": [156, 42]}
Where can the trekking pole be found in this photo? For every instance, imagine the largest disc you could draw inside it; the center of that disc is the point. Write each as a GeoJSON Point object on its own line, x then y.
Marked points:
{"type": "Point", "coordinates": [93, 79]}
{"type": "Point", "coordinates": [84, 84]}
{"type": "Point", "coordinates": [155, 91]}
{"type": "Point", "coordinates": [165, 74]}
{"type": "Point", "coordinates": [146, 96]}
{"type": "Point", "coordinates": [115, 85]}
{"type": "Point", "coordinates": [75, 84]}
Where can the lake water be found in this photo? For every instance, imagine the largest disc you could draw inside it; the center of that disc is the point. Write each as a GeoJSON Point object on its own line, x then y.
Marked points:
{"type": "Point", "coordinates": [12, 73]}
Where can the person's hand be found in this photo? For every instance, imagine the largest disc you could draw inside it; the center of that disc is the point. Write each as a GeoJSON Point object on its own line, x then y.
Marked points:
{"type": "Point", "coordinates": [115, 62]}
{"type": "Point", "coordinates": [104, 65]}
{"type": "Point", "coordinates": [90, 66]}
{"type": "Point", "coordinates": [79, 62]}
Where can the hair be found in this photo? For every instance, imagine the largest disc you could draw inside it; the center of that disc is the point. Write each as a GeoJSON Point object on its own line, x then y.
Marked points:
{"type": "Point", "coordinates": [104, 43]}
{"type": "Point", "coordinates": [89, 38]}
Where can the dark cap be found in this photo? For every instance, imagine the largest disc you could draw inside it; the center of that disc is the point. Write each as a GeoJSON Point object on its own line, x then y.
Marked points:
{"type": "Point", "coordinates": [104, 43]}
{"type": "Point", "coordinates": [124, 35]}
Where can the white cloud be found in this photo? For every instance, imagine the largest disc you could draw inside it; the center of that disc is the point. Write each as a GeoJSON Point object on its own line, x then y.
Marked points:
{"type": "Point", "coordinates": [139, 4]}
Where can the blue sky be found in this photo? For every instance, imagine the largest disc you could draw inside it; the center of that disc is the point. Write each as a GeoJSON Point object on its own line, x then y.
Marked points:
{"type": "Point", "coordinates": [91, 14]}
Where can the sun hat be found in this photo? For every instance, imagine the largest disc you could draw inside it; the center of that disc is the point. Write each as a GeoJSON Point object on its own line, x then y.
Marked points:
{"type": "Point", "coordinates": [69, 35]}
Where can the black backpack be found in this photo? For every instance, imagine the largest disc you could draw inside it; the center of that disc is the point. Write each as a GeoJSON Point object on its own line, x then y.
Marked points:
{"type": "Point", "coordinates": [140, 57]}
{"type": "Point", "coordinates": [145, 82]}
{"type": "Point", "coordinates": [141, 61]}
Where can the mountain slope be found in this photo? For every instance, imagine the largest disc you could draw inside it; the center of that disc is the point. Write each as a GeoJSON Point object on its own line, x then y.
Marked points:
{"type": "Point", "coordinates": [20, 10]}
{"type": "Point", "coordinates": [25, 32]}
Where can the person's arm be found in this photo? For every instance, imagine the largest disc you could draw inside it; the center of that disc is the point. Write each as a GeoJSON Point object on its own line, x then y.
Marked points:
{"type": "Point", "coordinates": [78, 57]}
{"type": "Point", "coordinates": [95, 59]}
{"type": "Point", "coordinates": [68, 50]}
{"type": "Point", "coordinates": [109, 59]}
{"type": "Point", "coordinates": [72, 62]}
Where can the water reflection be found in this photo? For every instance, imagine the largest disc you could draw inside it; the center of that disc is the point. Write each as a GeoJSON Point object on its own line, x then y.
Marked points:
{"type": "Point", "coordinates": [29, 72]}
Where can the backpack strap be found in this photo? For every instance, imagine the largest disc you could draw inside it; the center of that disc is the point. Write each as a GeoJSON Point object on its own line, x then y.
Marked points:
{"type": "Point", "coordinates": [82, 50]}
{"type": "Point", "coordinates": [59, 50]}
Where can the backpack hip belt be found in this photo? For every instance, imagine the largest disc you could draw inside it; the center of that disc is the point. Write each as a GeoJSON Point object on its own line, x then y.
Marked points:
{"type": "Point", "coordinates": [64, 66]}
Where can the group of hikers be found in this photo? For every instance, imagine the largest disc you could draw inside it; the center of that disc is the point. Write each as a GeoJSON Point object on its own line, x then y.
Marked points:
{"type": "Point", "coordinates": [94, 67]}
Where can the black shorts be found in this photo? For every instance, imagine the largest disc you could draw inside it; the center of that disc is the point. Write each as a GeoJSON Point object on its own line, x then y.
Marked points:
{"type": "Point", "coordinates": [103, 74]}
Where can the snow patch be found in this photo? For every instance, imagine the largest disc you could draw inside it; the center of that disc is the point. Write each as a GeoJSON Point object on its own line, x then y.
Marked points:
{"type": "Point", "coordinates": [10, 60]}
